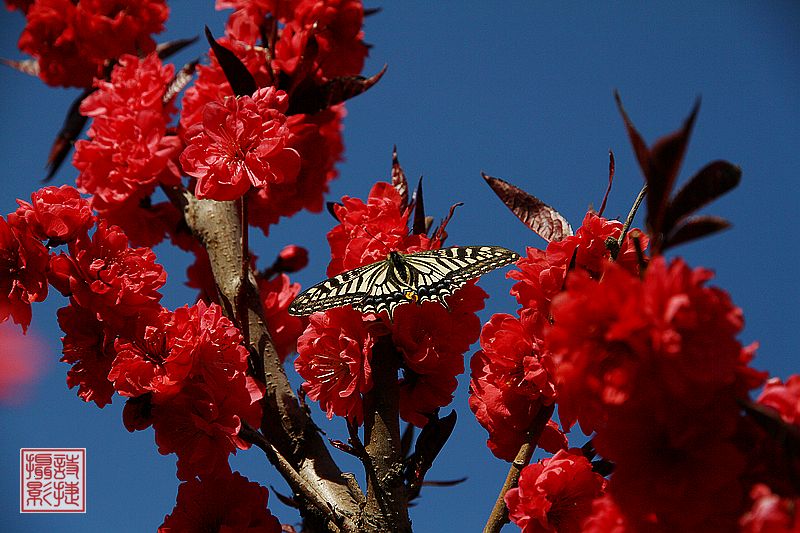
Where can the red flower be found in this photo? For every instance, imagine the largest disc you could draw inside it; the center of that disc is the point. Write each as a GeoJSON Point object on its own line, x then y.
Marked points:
{"type": "Point", "coordinates": [211, 84]}
{"type": "Point", "coordinates": [334, 356]}
{"type": "Point", "coordinates": [228, 502]}
{"type": "Point", "coordinates": [555, 494]}
{"type": "Point", "coordinates": [200, 423]}
{"type": "Point", "coordinates": [72, 40]}
{"type": "Point", "coordinates": [107, 277]}
{"type": "Point", "coordinates": [605, 517]}
{"type": "Point", "coordinates": [770, 513]}
{"type": "Point", "coordinates": [246, 22]}
{"type": "Point", "coordinates": [784, 398]}
{"type": "Point", "coordinates": [88, 345]}
{"type": "Point", "coordinates": [241, 142]}
{"type": "Point", "coordinates": [21, 5]}
{"type": "Point", "coordinates": [512, 378]}
{"type": "Point", "coordinates": [335, 25]}
{"type": "Point", "coordinates": [291, 258]}
{"type": "Point", "coordinates": [55, 213]}
{"type": "Point", "coordinates": [541, 274]}
{"type": "Point", "coordinates": [23, 270]}
{"type": "Point", "coordinates": [368, 232]}
{"type": "Point", "coordinates": [276, 295]}
{"type": "Point", "coordinates": [653, 366]}
{"type": "Point", "coordinates": [129, 151]}
{"type": "Point", "coordinates": [318, 140]}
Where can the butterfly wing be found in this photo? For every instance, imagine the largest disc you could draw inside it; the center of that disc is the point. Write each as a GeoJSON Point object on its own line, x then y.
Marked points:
{"type": "Point", "coordinates": [345, 289]}
{"type": "Point", "coordinates": [439, 273]}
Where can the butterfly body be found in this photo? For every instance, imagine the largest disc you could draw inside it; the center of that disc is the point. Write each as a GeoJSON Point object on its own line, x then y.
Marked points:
{"type": "Point", "coordinates": [403, 278]}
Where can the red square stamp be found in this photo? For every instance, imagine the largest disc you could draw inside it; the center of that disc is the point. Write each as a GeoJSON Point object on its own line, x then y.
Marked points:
{"type": "Point", "coordinates": [52, 480]}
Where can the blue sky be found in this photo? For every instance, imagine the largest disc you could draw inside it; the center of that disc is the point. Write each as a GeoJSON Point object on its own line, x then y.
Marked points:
{"type": "Point", "coordinates": [521, 91]}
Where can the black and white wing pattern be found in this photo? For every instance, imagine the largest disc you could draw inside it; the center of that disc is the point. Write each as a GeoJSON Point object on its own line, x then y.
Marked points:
{"type": "Point", "coordinates": [403, 278]}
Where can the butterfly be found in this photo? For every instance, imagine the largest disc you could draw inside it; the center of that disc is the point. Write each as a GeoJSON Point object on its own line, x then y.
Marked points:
{"type": "Point", "coordinates": [403, 278]}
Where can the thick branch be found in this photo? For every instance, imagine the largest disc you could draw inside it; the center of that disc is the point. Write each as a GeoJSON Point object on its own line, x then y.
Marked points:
{"type": "Point", "coordinates": [386, 494]}
{"type": "Point", "coordinates": [290, 429]}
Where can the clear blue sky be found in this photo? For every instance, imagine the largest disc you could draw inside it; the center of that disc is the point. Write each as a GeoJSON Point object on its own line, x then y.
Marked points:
{"type": "Point", "coordinates": [520, 91]}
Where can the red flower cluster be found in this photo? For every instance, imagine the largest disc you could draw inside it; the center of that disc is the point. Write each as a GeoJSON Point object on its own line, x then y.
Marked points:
{"type": "Point", "coordinates": [654, 368]}
{"type": "Point", "coordinates": [225, 503]}
{"type": "Point", "coordinates": [430, 338]}
{"type": "Point", "coordinates": [57, 214]}
{"type": "Point", "coordinates": [23, 271]}
{"type": "Point", "coordinates": [783, 398]}
{"type": "Point", "coordinates": [335, 26]}
{"type": "Point", "coordinates": [513, 374]}
{"type": "Point", "coordinates": [129, 151]}
{"type": "Point", "coordinates": [73, 40]}
{"type": "Point", "coordinates": [555, 494]}
{"type": "Point", "coordinates": [770, 513]}
{"type": "Point", "coordinates": [241, 142]}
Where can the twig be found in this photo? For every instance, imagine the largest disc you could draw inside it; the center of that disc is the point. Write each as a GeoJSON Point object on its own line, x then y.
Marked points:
{"type": "Point", "coordinates": [499, 515]}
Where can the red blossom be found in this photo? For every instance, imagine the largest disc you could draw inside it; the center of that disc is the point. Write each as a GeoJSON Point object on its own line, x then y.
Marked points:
{"type": "Point", "coordinates": [335, 26]}
{"type": "Point", "coordinates": [240, 143]}
{"type": "Point", "coordinates": [106, 276]}
{"type": "Point", "coordinates": [54, 213]}
{"type": "Point", "coordinates": [334, 354]}
{"type": "Point", "coordinates": [88, 345]}
{"type": "Point", "coordinates": [318, 140]}
{"type": "Point", "coordinates": [367, 232]}
{"type": "Point", "coordinates": [276, 295]}
{"type": "Point", "coordinates": [23, 271]}
{"type": "Point", "coordinates": [770, 513]}
{"type": "Point", "coordinates": [246, 22]}
{"type": "Point", "coordinates": [605, 517]}
{"type": "Point", "coordinates": [225, 503]}
{"type": "Point", "coordinates": [73, 40]}
{"type": "Point", "coordinates": [555, 494]}
{"type": "Point", "coordinates": [128, 152]}
{"type": "Point", "coordinates": [783, 397]}
{"type": "Point", "coordinates": [200, 423]}
{"type": "Point", "coordinates": [291, 258]}
{"type": "Point", "coordinates": [512, 378]}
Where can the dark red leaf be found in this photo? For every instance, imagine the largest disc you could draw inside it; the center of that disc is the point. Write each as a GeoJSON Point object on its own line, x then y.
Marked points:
{"type": "Point", "coordinates": [241, 81]}
{"type": "Point", "coordinates": [430, 442]}
{"type": "Point", "coordinates": [180, 81]}
{"type": "Point", "coordinates": [639, 146]}
{"type": "Point", "coordinates": [445, 483]}
{"type": "Point", "coordinates": [169, 48]}
{"type": "Point", "coordinates": [611, 168]}
{"type": "Point", "coordinates": [406, 439]}
{"type": "Point", "coordinates": [309, 98]}
{"type": "Point", "coordinates": [694, 228]}
{"type": "Point", "coordinates": [666, 157]}
{"type": "Point", "coordinates": [70, 130]}
{"type": "Point", "coordinates": [330, 206]}
{"type": "Point", "coordinates": [714, 180]}
{"type": "Point", "coordinates": [399, 180]}
{"type": "Point", "coordinates": [339, 445]}
{"type": "Point", "coordinates": [26, 66]}
{"type": "Point", "coordinates": [369, 11]}
{"type": "Point", "coordinates": [776, 427]}
{"type": "Point", "coordinates": [537, 215]}
{"type": "Point", "coordinates": [419, 225]}
{"type": "Point", "coordinates": [440, 232]}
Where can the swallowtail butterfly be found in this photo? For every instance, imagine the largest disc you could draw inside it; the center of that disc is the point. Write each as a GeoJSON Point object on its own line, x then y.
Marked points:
{"type": "Point", "coordinates": [403, 278]}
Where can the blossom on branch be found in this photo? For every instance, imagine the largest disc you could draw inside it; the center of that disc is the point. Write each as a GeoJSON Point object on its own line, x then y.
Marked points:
{"type": "Point", "coordinates": [23, 273]}
{"type": "Point", "coordinates": [57, 214]}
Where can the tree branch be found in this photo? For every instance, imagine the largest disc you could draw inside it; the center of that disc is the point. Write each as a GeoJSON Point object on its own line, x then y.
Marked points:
{"type": "Point", "coordinates": [499, 516]}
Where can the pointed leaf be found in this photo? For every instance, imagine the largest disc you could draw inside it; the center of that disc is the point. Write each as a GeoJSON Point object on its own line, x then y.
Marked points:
{"type": "Point", "coordinates": [430, 442]}
{"type": "Point", "coordinates": [26, 66]}
{"type": "Point", "coordinates": [440, 232]}
{"type": "Point", "coordinates": [330, 206]}
{"type": "Point", "coordinates": [241, 81]}
{"type": "Point", "coordinates": [70, 130]}
{"type": "Point", "coordinates": [713, 180]}
{"type": "Point", "coordinates": [180, 81]}
{"type": "Point", "coordinates": [611, 170]}
{"type": "Point", "coordinates": [169, 48]}
{"type": "Point", "coordinates": [406, 439]}
{"type": "Point", "coordinates": [639, 146]}
{"type": "Point", "coordinates": [666, 157]}
{"type": "Point", "coordinates": [285, 500]}
{"type": "Point", "coordinates": [369, 11]}
{"type": "Point", "coordinates": [309, 98]}
{"type": "Point", "coordinates": [445, 483]}
{"type": "Point", "coordinates": [399, 180]}
{"type": "Point", "coordinates": [537, 215]}
{"type": "Point", "coordinates": [419, 224]}
{"type": "Point", "coordinates": [788, 435]}
{"type": "Point", "coordinates": [694, 228]}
